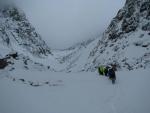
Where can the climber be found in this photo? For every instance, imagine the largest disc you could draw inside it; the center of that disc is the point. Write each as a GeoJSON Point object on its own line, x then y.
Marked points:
{"type": "Point", "coordinates": [112, 74]}
{"type": "Point", "coordinates": [106, 70]}
{"type": "Point", "coordinates": [103, 70]}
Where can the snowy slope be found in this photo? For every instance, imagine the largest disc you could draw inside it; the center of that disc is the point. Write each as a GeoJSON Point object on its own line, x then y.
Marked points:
{"type": "Point", "coordinates": [28, 91]}
{"type": "Point", "coordinates": [74, 58]}
{"type": "Point", "coordinates": [18, 34]}
{"type": "Point", "coordinates": [126, 42]}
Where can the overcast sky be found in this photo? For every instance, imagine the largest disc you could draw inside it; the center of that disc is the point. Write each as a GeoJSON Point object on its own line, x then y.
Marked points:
{"type": "Point", "coordinates": [65, 22]}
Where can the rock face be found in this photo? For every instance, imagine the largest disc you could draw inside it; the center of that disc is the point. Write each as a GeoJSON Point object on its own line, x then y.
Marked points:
{"type": "Point", "coordinates": [18, 34]}
{"type": "Point", "coordinates": [135, 14]}
{"type": "Point", "coordinates": [3, 63]}
{"type": "Point", "coordinates": [126, 42]}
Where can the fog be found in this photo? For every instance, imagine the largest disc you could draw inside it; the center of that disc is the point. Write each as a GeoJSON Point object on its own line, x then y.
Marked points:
{"type": "Point", "coordinates": [63, 23]}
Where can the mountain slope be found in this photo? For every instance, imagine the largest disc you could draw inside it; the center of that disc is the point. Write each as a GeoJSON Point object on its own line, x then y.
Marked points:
{"type": "Point", "coordinates": [18, 34]}
{"type": "Point", "coordinates": [126, 42]}
{"type": "Point", "coordinates": [74, 57]}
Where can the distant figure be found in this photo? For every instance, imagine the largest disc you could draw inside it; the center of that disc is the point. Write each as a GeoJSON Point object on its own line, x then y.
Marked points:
{"type": "Point", "coordinates": [112, 74]}
{"type": "Point", "coordinates": [106, 70]}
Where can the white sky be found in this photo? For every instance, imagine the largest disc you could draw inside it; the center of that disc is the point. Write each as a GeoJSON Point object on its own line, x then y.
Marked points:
{"type": "Point", "coordinates": [65, 22]}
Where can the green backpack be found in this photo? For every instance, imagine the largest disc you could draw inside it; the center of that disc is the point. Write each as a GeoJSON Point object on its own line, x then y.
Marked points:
{"type": "Point", "coordinates": [101, 70]}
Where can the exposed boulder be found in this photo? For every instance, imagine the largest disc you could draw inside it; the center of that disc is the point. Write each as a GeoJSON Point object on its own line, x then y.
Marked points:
{"type": "Point", "coordinates": [3, 63]}
{"type": "Point", "coordinates": [12, 55]}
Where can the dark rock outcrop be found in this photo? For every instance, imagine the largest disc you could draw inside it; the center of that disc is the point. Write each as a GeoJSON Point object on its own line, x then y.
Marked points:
{"type": "Point", "coordinates": [3, 63]}
{"type": "Point", "coordinates": [130, 17]}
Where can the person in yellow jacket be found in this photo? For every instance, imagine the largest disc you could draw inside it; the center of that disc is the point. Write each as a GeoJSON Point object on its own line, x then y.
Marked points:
{"type": "Point", "coordinates": [101, 70]}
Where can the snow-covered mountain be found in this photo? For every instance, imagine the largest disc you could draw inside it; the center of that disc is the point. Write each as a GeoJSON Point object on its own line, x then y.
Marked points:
{"type": "Point", "coordinates": [71, 57]}
{"type": "Point", "coordinates": [126, 42]}
{"type": "Point", "coordinates": [17, 34]}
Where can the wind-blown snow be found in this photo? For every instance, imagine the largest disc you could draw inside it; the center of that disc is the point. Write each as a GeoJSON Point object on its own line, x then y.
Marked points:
{"type": "Point", "coordinates": [46, 92]}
